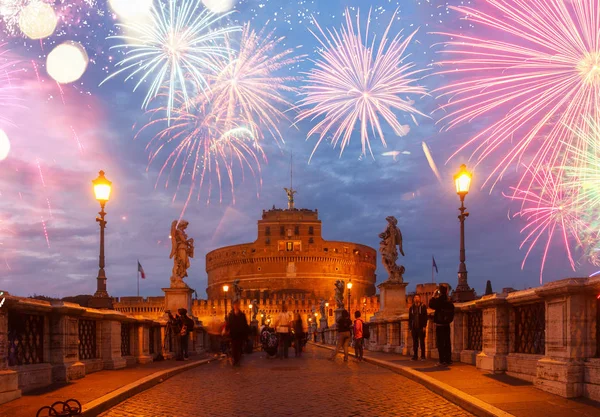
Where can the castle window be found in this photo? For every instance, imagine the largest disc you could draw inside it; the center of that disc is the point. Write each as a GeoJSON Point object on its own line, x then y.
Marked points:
{"type": "Point", "coordinates": [268, 231]}
{"type": "Point", "coordinates": [267, 241]}
{"type": "Point", "coordinates": [282, 231]}
{"type": "Point", "coordinates": [325, 250]}
{"type": "Point", "coordinates": [311, 230]}
{"type": "Point", "coordinates": [297, 230]}
{"type": "Point", "coordinates": [345, 250]}
{"type": "Point", "coordinates": [289, 246]}
{"type": "Point", "coordinates": [311, 240]}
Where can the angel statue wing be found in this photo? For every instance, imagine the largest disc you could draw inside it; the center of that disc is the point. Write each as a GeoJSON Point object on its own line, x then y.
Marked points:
{"type": "Point", "coordinates": [399, 240]}
{"type": "Point", "coordinates": [173, 239]}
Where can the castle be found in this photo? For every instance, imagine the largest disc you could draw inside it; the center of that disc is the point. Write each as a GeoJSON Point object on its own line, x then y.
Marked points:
{"type": "Point", "coordinates": [288, 262]}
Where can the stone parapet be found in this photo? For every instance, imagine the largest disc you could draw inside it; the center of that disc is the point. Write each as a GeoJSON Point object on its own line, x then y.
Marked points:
{"type": "Point", "coordinates": [44, 342]}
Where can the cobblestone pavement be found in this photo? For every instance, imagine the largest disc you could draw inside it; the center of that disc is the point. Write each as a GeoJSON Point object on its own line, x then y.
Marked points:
{"type": "Point", "coordinates": [308, 386]}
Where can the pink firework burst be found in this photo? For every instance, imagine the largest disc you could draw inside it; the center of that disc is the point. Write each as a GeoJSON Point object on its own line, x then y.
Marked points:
{"type": "Point", "coordinates": [550, 210]}
{"type": "Point", "coordinates": [358, 81]}
{"type": "Point", "coordinates": [247, 85]}
{"type": "Point", "coordinates": [533, 75]}
{"type": "Point", "coordinates": [202, 144]}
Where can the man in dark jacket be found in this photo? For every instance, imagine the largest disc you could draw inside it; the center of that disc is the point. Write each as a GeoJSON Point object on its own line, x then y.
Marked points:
{"type": "Point", "coordinates": [417, 322]}
{"type": "Point", "coordinates": [443, 316]}
{"type": "Point", "coordinates": [186, 325]}
{"type": "Point", "coordinates": [238, 331]}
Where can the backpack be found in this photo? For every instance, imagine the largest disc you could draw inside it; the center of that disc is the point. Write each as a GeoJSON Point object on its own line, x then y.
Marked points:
{"type": "Point", "coordinates": [366, 331]}
{"type": "Point", "coordinates": [189, 323]}
{"type": "Point", "coordinates": [446, 313]}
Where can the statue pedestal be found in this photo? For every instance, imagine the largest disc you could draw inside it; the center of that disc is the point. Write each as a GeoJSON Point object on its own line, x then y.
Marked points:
{"type": "Point", "coordinates": [176, 298]}
{"type": "Point", "coordinates": [392, 298]}
{"type": "Point", "coordinates": [323, 323]}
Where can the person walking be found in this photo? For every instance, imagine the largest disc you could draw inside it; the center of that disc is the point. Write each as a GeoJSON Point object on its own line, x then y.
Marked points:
{"type": "Point", "coordinates": [238, 331]}
{"type": "Point", "coordinates": [298, 334]}
{"type": "Point", "coordinates": [186, 326]}
{"type": "Point", "coordinates": [343, 327]}
{"type": "Point", "coordinates": [358, 336]}
{"type": "Point", "coordinates": [443, 316]}
{"type": "Point", "coordinates": [283, 331]}
{"type": "Point", "coordinates": [417, 323]}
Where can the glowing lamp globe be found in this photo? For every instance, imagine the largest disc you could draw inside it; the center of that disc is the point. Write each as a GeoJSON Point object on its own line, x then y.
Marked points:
{"type": "Point", "coordinates": [219, 6]}
{"type": "Point", "coordinates": [326, 304]}
{"type": "Point", "coordinates": [462, 180]}
{"type": "Point", "coordinates": [37, 20]}
{"type": "Point", "coordinates": [4, 145]}
{"type": "Point", "coordinates": [250, 306]}
{"type": "Point", "coordinates": [225, 287]}
{"type": "Point", "coordinates": [102, 188]}
{"type": "Point", "coordinates": [349, 285]}
{"type": "Point", "coordinates": [131, 9]}
{"type": "Point", "coordinates": [67, 62]}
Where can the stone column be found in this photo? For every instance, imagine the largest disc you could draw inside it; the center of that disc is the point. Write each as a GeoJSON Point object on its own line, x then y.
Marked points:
{"type": "Point", "coordinates": [110, 341]}
{"type": "Point", "coordinates": [142, 341]}
{"type": "Point", "coordinates": [569, 308]}
{"type": "Point", "coordinates": [405, 336]}
{"type": "Point", "coordinates": [495, 345]}
{"type": "Point", "coordinates": [64, 342]}
{"type": "Point", "coordinates": [9, 381]}
{"type": "Point", "coordinates": [458, 334]}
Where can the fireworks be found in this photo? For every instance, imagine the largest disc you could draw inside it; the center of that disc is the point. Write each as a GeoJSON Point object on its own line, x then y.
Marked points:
{"type": "Point", "coordinates": [537, 75]}
{"type": "Point", "coordinates": [179, 43]}
{"type": "Point", "coordinates": [358, 81]}
{"type": "Point", "coordinates": [246, 86]}
{"type": "Point", "coordinates": [583, 171]}
{"type": "Point", "coordinates": [8, 77]}
{"type": "Point", "coordinates": [201, 144]}
{"type": "Point", "coordinates": [549, 208]}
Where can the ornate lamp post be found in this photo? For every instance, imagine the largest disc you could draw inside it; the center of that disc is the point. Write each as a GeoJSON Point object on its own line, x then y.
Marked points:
{"type": "Point", "coordinates": [327, 314]}
{"type": "Point", "coordinates": [462, 181]}
{"type": "Point", "coordinates": [225, 290]}
{"type": "Point", "coordinates": [102, 188]}
{"type": "Point", "coordinates": [349, 286]}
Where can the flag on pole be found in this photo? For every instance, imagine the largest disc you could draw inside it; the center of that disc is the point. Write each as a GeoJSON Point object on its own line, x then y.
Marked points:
{"type": "Point", "coordinates": [141, 270]}
{"type": "Point", "coordinates": [434, 265]}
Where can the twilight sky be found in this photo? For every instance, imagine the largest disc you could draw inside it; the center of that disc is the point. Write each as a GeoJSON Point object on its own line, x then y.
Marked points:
{"type": "Point", "coordinates": [61, 137]}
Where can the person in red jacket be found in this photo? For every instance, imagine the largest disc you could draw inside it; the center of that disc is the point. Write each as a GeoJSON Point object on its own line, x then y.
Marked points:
{"type": "Point", "coordinates": [358, 336]}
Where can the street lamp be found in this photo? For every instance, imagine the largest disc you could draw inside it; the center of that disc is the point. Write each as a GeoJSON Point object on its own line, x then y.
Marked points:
{"type": "Point", "coordinates": [349, 286]}
{"type": "Point", "coordinates": [462, 181]}
{"type": "Point", "coordinates": [225, 289]}
{"type": "Point", "coordinates": [102, 188]}
{"type": "Point", "coordinates": [327, 314]}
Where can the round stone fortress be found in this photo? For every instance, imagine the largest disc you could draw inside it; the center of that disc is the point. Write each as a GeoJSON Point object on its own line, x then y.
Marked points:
{"type": "Point", "coordinates": [290, 257]}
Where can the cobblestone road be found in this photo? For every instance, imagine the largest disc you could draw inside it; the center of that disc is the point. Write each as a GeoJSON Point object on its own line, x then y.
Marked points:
{"type": "Point", "coordinates": [309, 386]}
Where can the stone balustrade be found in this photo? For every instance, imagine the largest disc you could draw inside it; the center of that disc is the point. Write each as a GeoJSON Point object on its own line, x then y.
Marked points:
{"type": "Point", "coordinates": [549, 335]}
{"type": "Point", "coordinates": [44, 342]}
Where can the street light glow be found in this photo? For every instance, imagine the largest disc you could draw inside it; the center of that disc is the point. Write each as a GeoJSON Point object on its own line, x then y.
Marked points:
{"type": "Point", "coordinates": [462, 180]}
{"type": "Point", "coordinates": [225, 287]}
{"type": "Point", "coordinates": [102, 188]}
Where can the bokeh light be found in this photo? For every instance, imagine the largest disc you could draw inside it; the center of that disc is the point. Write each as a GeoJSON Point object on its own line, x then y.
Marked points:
{"type": "Point", "coordinates": [4, 145]}
{"type": "Point", "coordinates": [37, 20]}
{"type": "Point", "coordinates": [67, 62]}
{"type": "Point", "coordinates": [128, 10]}
{"type": "Point", "coordinates": [219, 6]}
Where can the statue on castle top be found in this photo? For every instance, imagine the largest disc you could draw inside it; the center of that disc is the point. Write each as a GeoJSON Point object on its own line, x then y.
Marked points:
{"type": "Point", "coordinates": [290, 194]}
{"type": "Point", "coordinates": [322, 308]}
{"type": "Point", "coordinates": [182, 249]}
{"type": "Point", "coordinates": [254, 309]}
{"type": "Point", "coordinates": [237, 290]}
{"type": "Point", "coordinates": [391, 238]}
{"type": "Point", "coordinates": [339, 293]}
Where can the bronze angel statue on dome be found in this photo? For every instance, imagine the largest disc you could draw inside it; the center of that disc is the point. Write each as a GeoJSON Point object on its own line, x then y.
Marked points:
{"type": "Point", "coordinates": [182, 249]}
